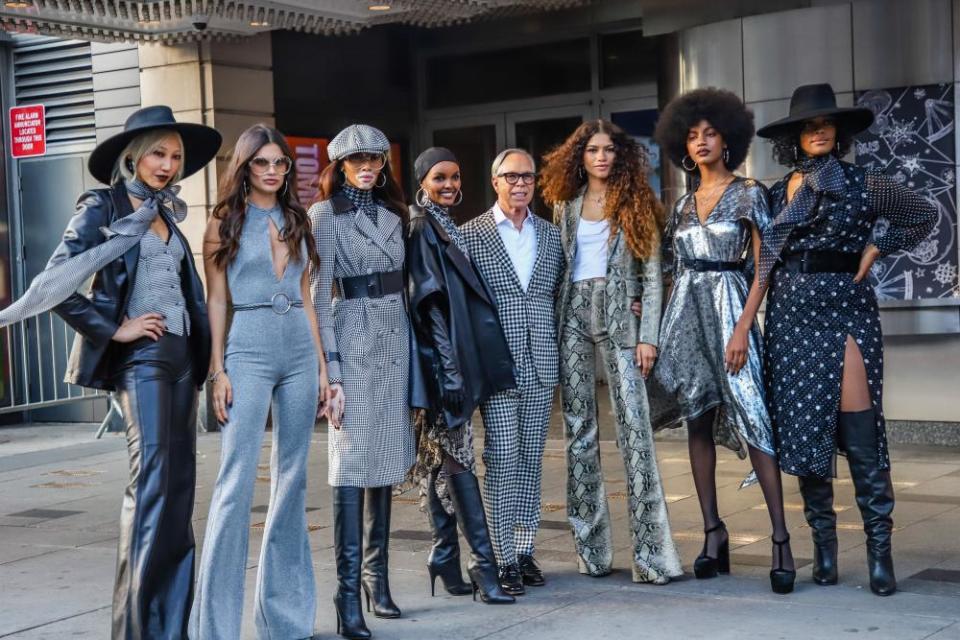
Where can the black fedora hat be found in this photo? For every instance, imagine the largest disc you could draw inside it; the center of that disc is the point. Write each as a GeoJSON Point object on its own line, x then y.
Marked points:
{"type": "Point", "coordinates": [818, 101]}
{"type": "Point", "coordinates": [200, 142]}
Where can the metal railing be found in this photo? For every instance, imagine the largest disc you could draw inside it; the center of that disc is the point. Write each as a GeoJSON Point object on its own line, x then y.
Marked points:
{"type": "Point", "coordinates": [35, 356]}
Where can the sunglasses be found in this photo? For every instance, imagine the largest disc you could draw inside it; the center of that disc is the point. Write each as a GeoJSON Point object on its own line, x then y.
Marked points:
{"type": "Point", "coordinates": [372, 160]}
{"type": "Point", "coordinates": [261, 166]}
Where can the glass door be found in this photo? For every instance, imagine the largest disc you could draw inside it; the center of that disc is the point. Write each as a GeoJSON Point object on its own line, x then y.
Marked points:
{"type": "Point", "coordinates": [475, 141]}
{"type": "Point", "coordinates": [538, 131]}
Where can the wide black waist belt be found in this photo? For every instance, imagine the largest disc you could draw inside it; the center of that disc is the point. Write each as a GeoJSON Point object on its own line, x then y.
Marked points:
{"type": "Point", "coordinates": [822, 262]}
{"type": "Point", "coordinates": [711, 265]}
{"type": "Point", "coordinates": [374, 285]}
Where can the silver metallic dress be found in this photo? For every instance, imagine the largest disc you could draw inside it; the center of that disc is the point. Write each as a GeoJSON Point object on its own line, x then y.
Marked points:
{"type": "Point", "coordinates": [689, 377]}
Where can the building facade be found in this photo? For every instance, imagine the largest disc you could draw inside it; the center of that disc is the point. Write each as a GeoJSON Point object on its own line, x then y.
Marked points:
{"type": "Point", "coordinates": [528, 79]}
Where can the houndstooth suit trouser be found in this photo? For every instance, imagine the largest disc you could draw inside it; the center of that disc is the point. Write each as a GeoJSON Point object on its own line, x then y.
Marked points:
{"type": "Point", "coordinates": [516, 421]}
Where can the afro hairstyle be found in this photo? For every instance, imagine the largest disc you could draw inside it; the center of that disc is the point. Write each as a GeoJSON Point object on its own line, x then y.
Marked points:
{"type": "Point", "coordinates": [723, 109]}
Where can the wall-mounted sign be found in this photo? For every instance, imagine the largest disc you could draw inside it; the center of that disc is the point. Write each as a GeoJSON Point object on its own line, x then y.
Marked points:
{"type": "Point", "coordinates": [28, 133]}
{"type": "Point", "coordinates": [310, 157]}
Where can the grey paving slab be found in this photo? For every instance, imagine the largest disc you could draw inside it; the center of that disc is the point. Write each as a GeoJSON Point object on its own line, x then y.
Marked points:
{"type": "Point", "coordinates": [60, 570]}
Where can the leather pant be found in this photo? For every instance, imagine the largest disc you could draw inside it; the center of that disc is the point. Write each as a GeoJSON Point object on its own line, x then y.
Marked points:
{"type": "Point", "coordinates": [154, 586]}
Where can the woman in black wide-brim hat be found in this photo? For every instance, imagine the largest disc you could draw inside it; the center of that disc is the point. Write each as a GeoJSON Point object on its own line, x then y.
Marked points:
{"type": "Point", "coordinates": [824, 348]}
{"type": "Point", "coordinates": [142, 331]}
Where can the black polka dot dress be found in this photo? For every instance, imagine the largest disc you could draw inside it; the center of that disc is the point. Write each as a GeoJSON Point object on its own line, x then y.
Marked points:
{"type": "Point", "coordinates": [809, 316]}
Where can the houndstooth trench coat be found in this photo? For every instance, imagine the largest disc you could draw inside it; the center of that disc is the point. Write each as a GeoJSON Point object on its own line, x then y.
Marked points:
{"type": "Point", "coordinates": [367, 343]}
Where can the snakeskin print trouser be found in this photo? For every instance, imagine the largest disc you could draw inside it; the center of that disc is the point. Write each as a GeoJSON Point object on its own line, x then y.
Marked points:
{"type": "Point", "coordinates": [655, 557]}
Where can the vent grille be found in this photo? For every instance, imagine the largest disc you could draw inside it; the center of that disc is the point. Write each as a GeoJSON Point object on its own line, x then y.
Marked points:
{"type": "Point", "coordinates": [58, 74]}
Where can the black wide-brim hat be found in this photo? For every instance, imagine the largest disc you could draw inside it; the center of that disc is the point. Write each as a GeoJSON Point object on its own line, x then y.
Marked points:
{"type": "Point", "coordinates": [818, 101]}
{"type": "Point", "coordinates": [200, 142]}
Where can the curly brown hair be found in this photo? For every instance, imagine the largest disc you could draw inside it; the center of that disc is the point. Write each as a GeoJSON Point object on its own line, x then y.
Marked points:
{"type": "Point", "coordinates": [631, 204]}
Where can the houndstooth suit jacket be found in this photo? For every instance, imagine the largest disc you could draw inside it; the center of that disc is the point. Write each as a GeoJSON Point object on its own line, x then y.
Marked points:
{"type": "Point", "coordinates": [528, 317]}
{"type": "Point", "coordinates": [367, 342]}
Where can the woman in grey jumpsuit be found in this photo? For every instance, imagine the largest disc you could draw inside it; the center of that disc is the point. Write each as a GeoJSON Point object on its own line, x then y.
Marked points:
{"type": "Point", "coordinates": [257, 249]}
{"type": "Point", "coordinates": [358, 224]}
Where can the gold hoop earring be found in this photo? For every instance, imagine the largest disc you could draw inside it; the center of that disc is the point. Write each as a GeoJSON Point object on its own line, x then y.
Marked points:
{"type": "Point", "coordinates": [683, 163]}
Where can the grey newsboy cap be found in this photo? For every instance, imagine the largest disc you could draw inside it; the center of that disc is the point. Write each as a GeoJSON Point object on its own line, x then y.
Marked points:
{"type": "Point", "coordinates": [357, 138]}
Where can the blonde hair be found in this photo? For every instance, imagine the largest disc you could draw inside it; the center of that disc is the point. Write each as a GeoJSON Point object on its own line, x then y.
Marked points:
{"type": "Point", "coordinates": [142, 145]}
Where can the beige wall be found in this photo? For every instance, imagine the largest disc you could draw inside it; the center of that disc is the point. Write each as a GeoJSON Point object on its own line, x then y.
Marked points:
{"type": "Point", "coordinates": [221, 84]}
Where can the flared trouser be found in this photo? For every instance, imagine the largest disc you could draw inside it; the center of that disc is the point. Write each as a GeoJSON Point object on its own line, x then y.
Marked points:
{"type": "Point", "coordinates": [584, 333]}
{"type": "Point", "coordinates": [265, 377]}
{"type": "Point", "coordinates": [155, 556]}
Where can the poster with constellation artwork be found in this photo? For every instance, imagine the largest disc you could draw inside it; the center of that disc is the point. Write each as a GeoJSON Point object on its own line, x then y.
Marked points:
{"type": "Point", "coordinates": [913, 140]}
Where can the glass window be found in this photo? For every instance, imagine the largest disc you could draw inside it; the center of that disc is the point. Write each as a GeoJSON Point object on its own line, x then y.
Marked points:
{"type": "Point", "coordinates": [627, 58]}
{"type": "Point", "coordinates": [508, 74]}
{"type": "Point", "coordinates": [538, 137]}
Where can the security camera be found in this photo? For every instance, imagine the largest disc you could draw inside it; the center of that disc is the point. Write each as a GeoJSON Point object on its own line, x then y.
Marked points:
{"type": "Point", "coordinates": [200, 21]}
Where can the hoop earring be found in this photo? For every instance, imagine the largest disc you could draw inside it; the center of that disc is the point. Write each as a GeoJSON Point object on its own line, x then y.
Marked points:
{"type": "Point", "coordinates": [130, 166]}
{"type": "Point", "coordinates": [683, 163]}
{"type": "Point", "coordinates": [726, 157]}
{"type": "Point", "coordinates": [460, 196]}
{"type": "Point", "coordinates": [580, 172]}
{"type": "Point", "coordinates": [422, 202]}
{"type": "Point", "coordinates": [377, 183]}
{"type": "Point", "coordinates": [796, 153]}
{"type": "Point", "coordinates": [286, 183]}
{"type": "Point", "coordinates": [246, 189]}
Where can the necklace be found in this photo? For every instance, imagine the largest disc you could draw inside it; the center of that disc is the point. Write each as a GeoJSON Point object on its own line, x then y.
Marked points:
{"type": "Point", "coordinates": [708, 193]}
{"type": "Point", "coordinates": [600, 200]}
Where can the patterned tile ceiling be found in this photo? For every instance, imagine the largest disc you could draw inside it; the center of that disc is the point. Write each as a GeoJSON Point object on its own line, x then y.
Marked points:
{"type": "Point", "coordinates": [189, 20]}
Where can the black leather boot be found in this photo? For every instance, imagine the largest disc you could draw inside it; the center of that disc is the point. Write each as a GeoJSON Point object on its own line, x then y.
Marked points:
{"type": "Point", "coordinates": [347, 538]}
{"type": "Point", "coordinates": [468, 505]}
{"type": "Point", "coordinates": [376, 555]}
{"type": "Point", "coordinates": [818, 508]}
{"type": "Point", "coordinates": [444, 558]}
{"type": "Point", "coordinates": [874, 490]}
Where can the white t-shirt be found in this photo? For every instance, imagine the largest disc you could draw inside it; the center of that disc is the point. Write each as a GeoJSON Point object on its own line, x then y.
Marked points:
{"type": "Point", "coordinates": [521, 244]}
{"type": "Point", "coordinates": [591, 259]}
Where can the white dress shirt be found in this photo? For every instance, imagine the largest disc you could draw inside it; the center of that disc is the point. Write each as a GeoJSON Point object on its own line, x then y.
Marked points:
{"type": "Point", "coordinates": [521, 244]}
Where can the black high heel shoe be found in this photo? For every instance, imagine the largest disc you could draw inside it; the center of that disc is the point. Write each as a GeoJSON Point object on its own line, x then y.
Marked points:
{"type": "Point", "coordinates": [707, 566]}
{"type": "Point", "coordinates": [450, 578]}
{"type": "Point", "coordinates": [781, 580]}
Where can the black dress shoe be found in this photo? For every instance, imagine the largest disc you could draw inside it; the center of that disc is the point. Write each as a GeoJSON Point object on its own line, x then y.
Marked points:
{"type": "Point", "coordinates": [530, 572]}
{"type": "Point", "coordinates": [511, 581]}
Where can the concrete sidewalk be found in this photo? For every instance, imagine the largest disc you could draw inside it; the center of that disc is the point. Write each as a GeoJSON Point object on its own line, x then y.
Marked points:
{"type": "Point", "coordinates": [60, 495]}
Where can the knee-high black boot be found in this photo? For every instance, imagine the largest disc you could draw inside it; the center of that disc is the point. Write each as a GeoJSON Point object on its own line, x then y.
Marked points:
{"type": "Point", "coordinates": [348, 537]}
{"type": "Point", "coordinates": [468, 505]}
{"type": "Point", "coordinates": [376, 554]}
{"type": "Point", "coordinates": [818, 508]}
{"type": "Point", "coordinates": [874, 490]}
{"type": "Point", "coordinates": [444, 558]}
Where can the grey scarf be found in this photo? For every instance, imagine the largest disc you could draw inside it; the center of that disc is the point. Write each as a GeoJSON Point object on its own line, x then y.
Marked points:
{"type": "Point", "coordinates": [61, 279]}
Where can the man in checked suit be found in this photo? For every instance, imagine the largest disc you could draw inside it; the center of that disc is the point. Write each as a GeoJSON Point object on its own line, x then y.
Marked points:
{"type": "Point", "coordinates": [522, 260]}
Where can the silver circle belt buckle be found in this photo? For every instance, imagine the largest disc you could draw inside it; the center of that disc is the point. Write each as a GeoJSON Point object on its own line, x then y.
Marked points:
{"type": "Point", "coordinates": [280, 303]}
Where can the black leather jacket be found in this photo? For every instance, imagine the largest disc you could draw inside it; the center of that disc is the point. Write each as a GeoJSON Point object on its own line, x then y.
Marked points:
{"type": "Point", "coordinates": [440, 274]}
{"type": "Point", "coordinates": [97, 315]}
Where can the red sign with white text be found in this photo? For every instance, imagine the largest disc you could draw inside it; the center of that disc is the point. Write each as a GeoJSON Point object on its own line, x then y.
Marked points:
{"type": "Point", "coordinates": [28, 132]}
{"type": "Point", "coordinates": [310, 156]}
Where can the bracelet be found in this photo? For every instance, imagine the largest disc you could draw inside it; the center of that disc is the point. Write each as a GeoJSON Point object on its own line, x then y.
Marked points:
{"type": "Point", "coordinates": [213, 376]}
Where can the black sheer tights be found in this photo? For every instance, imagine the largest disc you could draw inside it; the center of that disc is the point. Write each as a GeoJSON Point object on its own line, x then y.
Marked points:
{"type": "Point", "coordinates": [703, 462]}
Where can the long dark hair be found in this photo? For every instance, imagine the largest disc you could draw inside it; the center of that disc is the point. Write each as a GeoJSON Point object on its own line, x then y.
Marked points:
{"type": "Point", "coordinates": [631, 204]}
{"type": "Point", "coordinates": [390, 194]}
{"type": "Point", "coordinates": [231, 207]}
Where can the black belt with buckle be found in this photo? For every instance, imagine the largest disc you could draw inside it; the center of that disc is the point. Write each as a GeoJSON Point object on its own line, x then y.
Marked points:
{"type": "Point", "coordinates": [822, 262]}
{"type": "Point", "coordinates": [711, 265]}
{"type": "Point", "coordinates": [373, 285]}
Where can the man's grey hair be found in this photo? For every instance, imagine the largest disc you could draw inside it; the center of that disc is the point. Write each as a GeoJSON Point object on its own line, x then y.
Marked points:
{"type": "Point", "coordinates": [495, 167]}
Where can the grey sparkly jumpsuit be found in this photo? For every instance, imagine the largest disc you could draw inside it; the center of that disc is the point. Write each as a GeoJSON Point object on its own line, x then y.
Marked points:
{"type": "Point", "coordinates": [273, 365]}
